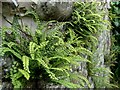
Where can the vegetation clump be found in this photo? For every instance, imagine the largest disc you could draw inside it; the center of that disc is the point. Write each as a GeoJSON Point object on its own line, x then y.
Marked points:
{"type": "Point", "coordinates": [53, 55]}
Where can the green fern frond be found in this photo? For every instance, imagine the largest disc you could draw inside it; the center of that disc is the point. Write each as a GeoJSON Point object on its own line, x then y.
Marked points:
{"type": "Point", "coordinates": [41, 61]}
{"type": "Point", "coordinates": [61, 70]}
{"type": "Point", "coordinates": [5, 49]}
{"type": "Point", "coordinates": [102, 70]}
{"type": "Point", "coordinates": [59, 57]}
{"type": "Point", "coordinates": [10, 44]}
{"type": "Point", "coordinates": [16, 83]}
{"type": "Point", "coordinates": [84, 51]}
{"type": "Point", "coordinates": [78, 58]}
{"type": "Point", "coordinates": [25, 73]}
{"type": "Point", "coordinates": [72, 34]}
{"type": "Point", "coordinates": [42, 44]}
{"type": "Point", "coordinates": [51, 75]}
{"type": "Point", "coordinates": [16, 75]}
{"type": "Point", "coordinates": [4, 30]}
{"type": "Point", "coordinates": [79, 78]}
{"type": "Point", "coordinates": [58, 69]}
{"type": "Point", "coordinates": [91, 28]}
{"type": "Point", "coordinates": [25, 60]}
{"type": "Point", "coordinates": [68, 84]}
{"type": "Point", "coordinates": [60, 40]}
{"type": "Point", "coordinates": [32, 49]}
{"type": "Point", "coordinates": [94, 40]}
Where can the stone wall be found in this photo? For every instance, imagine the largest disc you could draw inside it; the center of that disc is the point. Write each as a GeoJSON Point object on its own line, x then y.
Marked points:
{"type": "Point", "coordinates": [104, 38]}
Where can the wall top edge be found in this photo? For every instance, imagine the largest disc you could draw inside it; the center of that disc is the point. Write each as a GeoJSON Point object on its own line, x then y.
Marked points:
{"type": "Point", "coordinates": [57, 0]}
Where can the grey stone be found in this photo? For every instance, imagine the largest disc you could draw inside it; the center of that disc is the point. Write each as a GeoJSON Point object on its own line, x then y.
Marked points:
{"type": "Point", "coordinates": [54, 10]}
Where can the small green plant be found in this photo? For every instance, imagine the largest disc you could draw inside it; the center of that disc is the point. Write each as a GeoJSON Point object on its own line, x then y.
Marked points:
{"type": "Point", "coordinates": [50, 54]}
{"type": "Point", "coordinates": [88, 23]}
{"type": "Point", "coordinates": [44, 56]}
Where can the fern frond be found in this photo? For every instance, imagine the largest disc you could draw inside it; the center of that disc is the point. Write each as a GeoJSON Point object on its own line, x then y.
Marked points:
{"type": "Point", "coordinates": [41, 61]}
{"type": "Point", "coordinates": [84, 51]}
{"type": "Point", "coordinates": [91, 28]}
{"type": "Point", "coordinates": [68, 84]}
{"type": "Point", "coordinates": [78, 58]}
{"type": "Point", "coordinates": [80, 77]}
{"type": "Point", "coordinates": [5, 49]}
{"type": "Point", "coordinates": [25, 60]}
{"type": "Point", "coordinates": [42, 45]}
{"type": "Point", "coordinates": [51, 75]}
{"type": "Point", "coordinates": [72, 34]}
{"type": "Point", "coordinates": [94, 40]}
{"type": "Point", "coordinates": [17, 75]}
{"type": "Point", "coordinates": [10, 44]}
{"type": "Point", "coordinates": [25, 73]}
{"type": "Point", "coordinates": [62, 70]}
{"type": "Point", "coordinates": [60, 40]}
{"type": "Point", "coordinates": [32, 49]}
{"type": "Point", "coordinates": [59, 57]}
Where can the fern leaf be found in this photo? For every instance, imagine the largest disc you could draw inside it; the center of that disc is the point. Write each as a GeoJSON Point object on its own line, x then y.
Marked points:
{"type": "Point", "coordinates": [84, 51]}
{"type": "Point", "coordinates": [38, 32]}
{"type": "Point", "coordinates": [94, 40]}
{"type": "Point", "coordinates": [25, 73]}
{"type": "Point", "coordinates": [59, 69]}
{"type": "Point", "coordinates": [85, 79]}
{"type": "Point", "coordinates": [72, 34]}
{"type": "Point", "coordinates": [64, 58]}
{"type": "Point", "coordinates": [68, 84]}
{"type": "Point", "coordinates": [97, 16]}
{"type": "Point", "coordinates": [78, 59]}
{"type": "Point", "coordinates": [17, 75]}
{"type": "Point", "coordinates": [51, 74]}
{"type": "Point", "coordinates": [42, 63]}
{"type": "Point", "coordinates": [70, 47]}
{"type": "Point", "coordinates": [62, 70]}
{"type": "Point", "coordinates": [16, 83]}
{"type": "Point", "coordinates": [43, 44]}
{"type": "Point", "coordinates": [32, 49]}
{"type": "Point", "coordinates": [25, 60]}
{"type": "Point", "coordinates": [10, 44]}
{"type": "Point", "coordinates": [60, 40]}
{"type": "Point", "coordinates": [82, 79]}
{"type": "Point", "coordinates": [91, 28]}
{"type": "Point", "coordinates": [4, 50]}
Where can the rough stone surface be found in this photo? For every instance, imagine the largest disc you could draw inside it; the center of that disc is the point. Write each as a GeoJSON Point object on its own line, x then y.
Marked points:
{"type": "Point", "coordinates": [103, 49]}
{"type": "Point", "coordinates": [54, 10]}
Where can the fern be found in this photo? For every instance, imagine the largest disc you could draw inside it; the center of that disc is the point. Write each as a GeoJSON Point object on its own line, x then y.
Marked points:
{"type": "Point", "coordinates": [50, 54]}
{"type": "Point", "coordinates": [15, 80]}
{"type": "Point", "coordinates": [79, 77]}
{"type": "Point", "coordinates": [68, 84]}
{"type": "Point", "coordinates": [4, 50]}
{"type": "Point", "coordinates": [42, 63]}
{"type": "Point", "coordinates": [25, 60]}
{"type": "Point", "coordinates": [25, 73]}
{"type": "Point", "coordinates": [32, 50]}
{"type": "Point", "coordinates": [88, 23]}
{"type": "Point", "coordinates": [51, 75]}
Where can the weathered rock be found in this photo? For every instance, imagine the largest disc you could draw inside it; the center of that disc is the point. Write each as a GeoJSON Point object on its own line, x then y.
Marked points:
{"type": "Point", "coordinates": [54, 10]}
